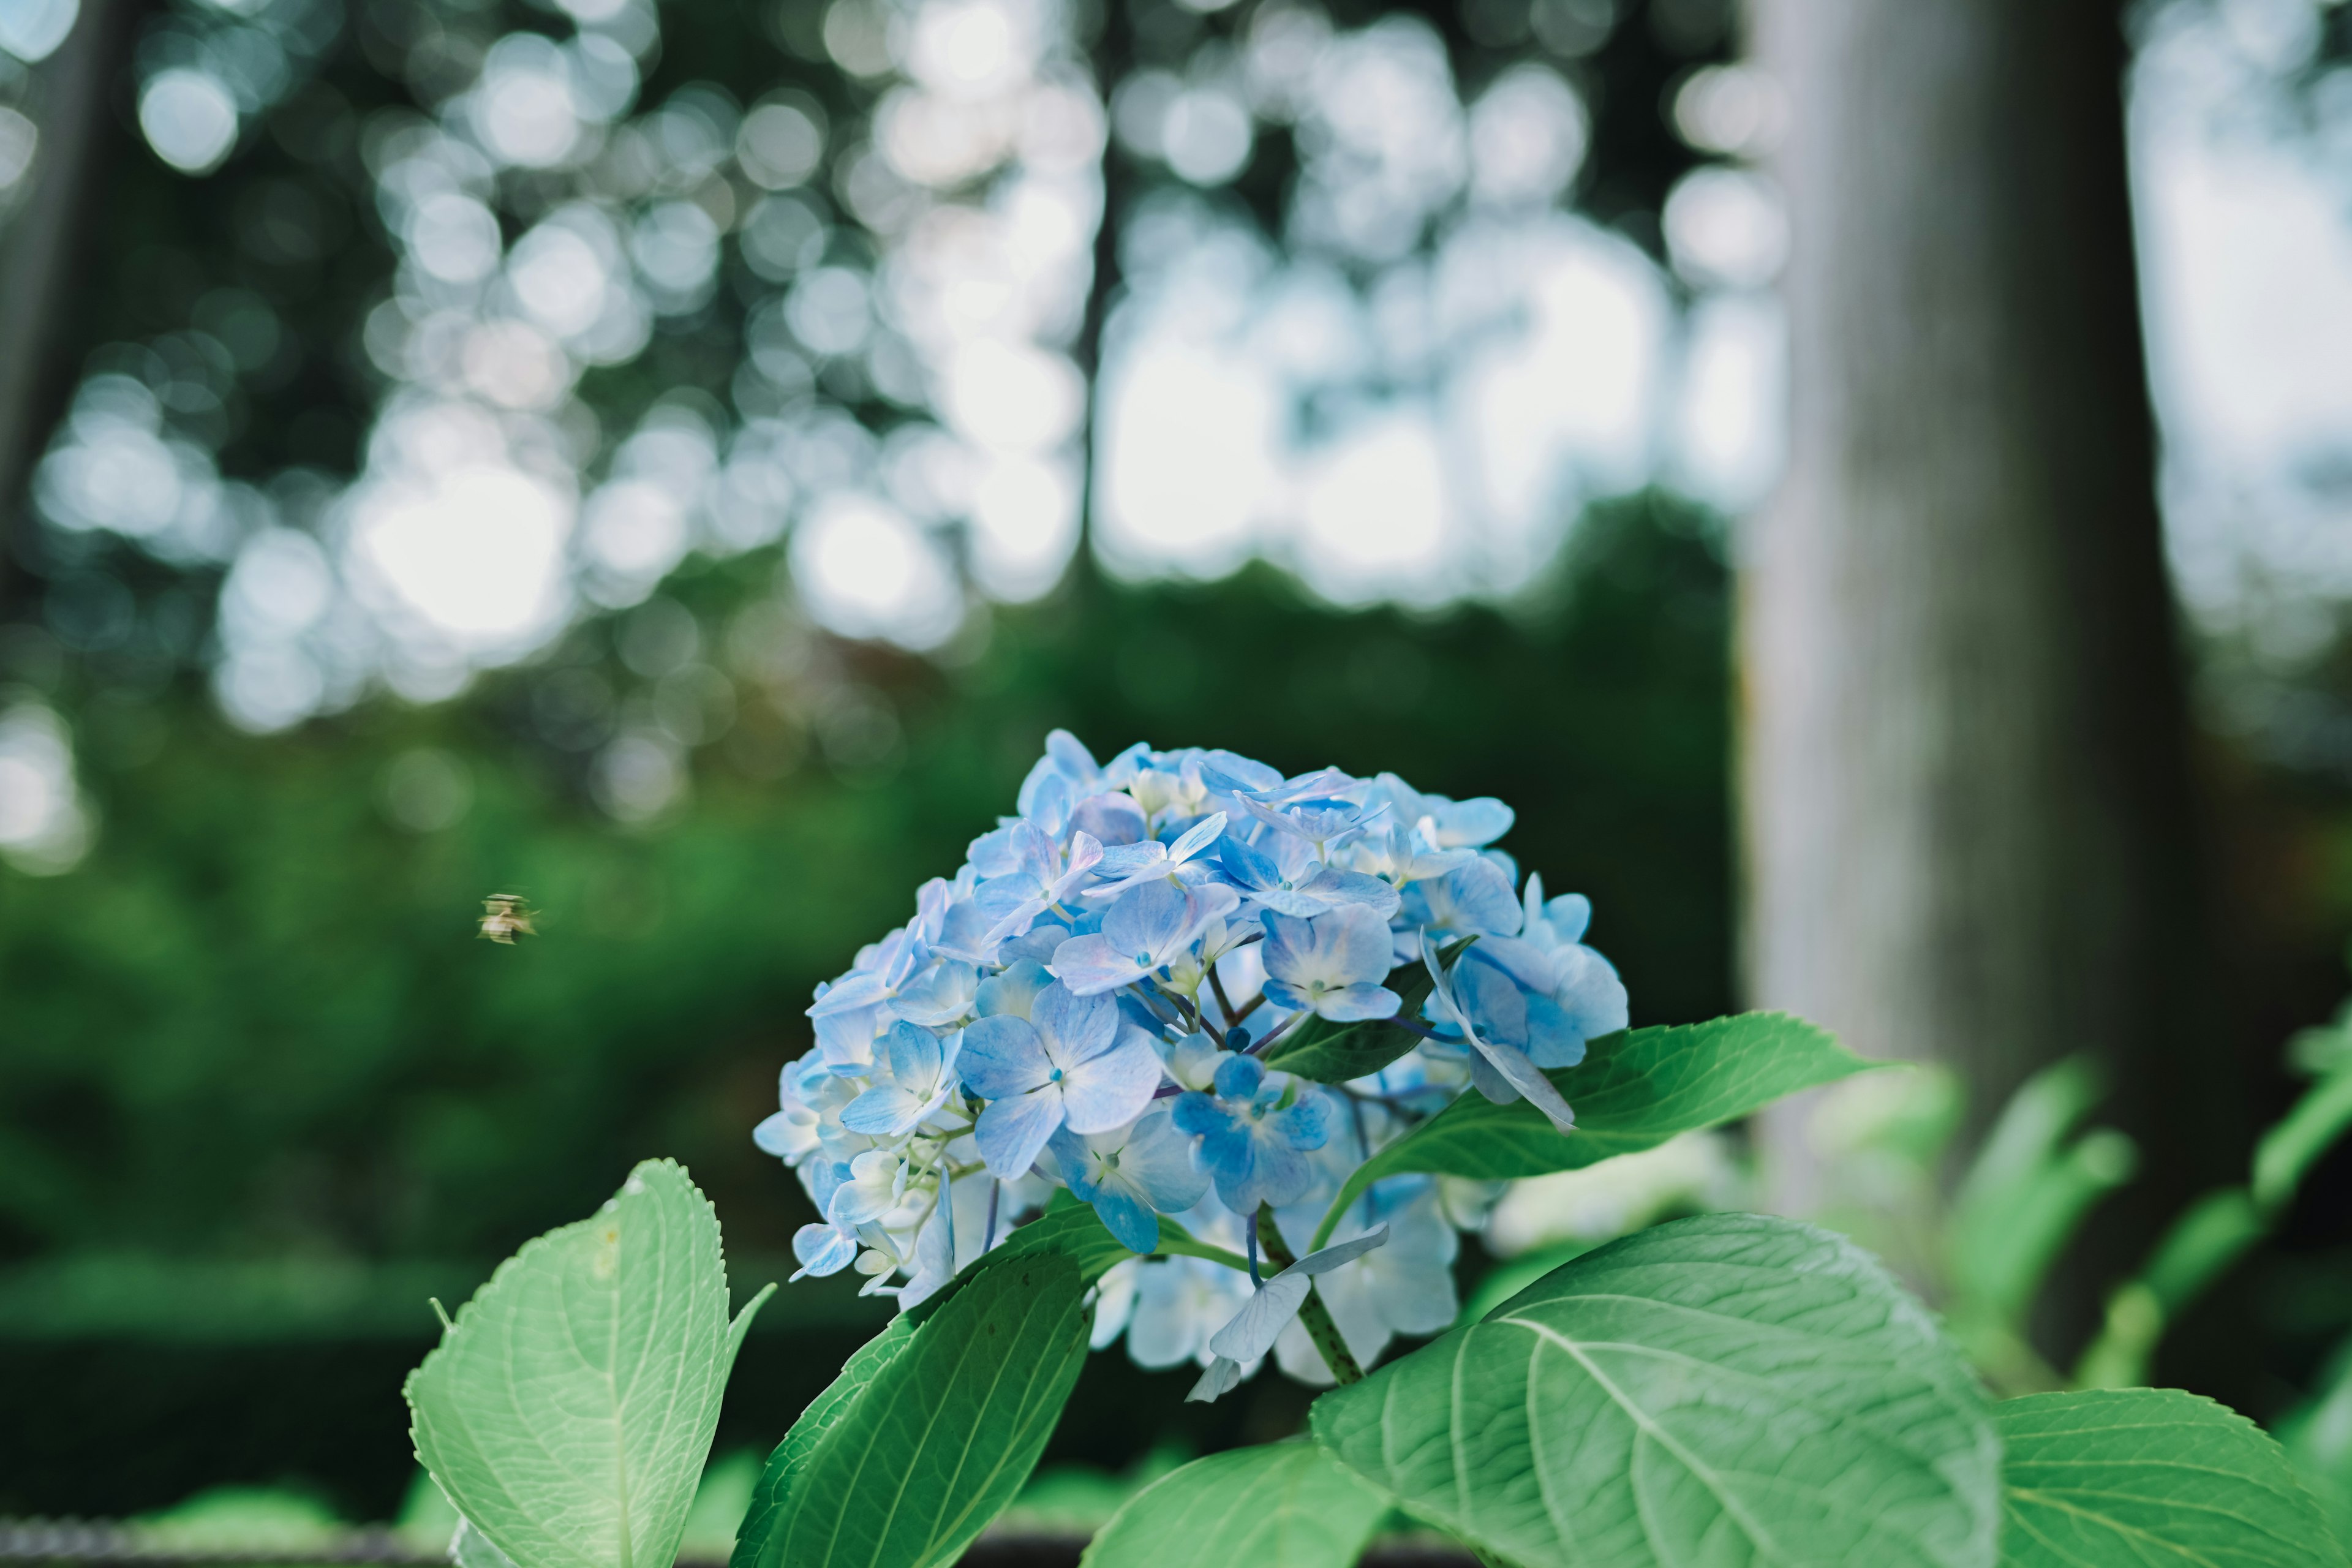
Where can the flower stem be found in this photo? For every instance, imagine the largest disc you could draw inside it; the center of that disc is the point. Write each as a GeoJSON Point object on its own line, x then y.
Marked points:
{"type": "Point", "coordinates": [1312, 1313]}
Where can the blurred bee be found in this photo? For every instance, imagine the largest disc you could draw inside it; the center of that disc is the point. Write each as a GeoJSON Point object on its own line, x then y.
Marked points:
{"type": "Point", "coordinates": [506, 916]}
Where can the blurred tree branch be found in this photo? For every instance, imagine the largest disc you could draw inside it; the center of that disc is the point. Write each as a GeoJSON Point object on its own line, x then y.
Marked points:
{"type": "Point", "coordinates": [42, 241]}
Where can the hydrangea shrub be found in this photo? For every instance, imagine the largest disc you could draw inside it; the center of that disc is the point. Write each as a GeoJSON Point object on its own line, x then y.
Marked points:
{"type": "Point", "coordinates": [1224, 1061]}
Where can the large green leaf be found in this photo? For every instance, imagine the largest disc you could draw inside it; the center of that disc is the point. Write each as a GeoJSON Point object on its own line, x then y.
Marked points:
{"type": "Point", "coordinates": [1331, 1052]}
{"type": "Point", "coordinates": [940, 1440]}
{"type": "Point", "coordinates": [1286, 1505]}
{"type": "Point", "coordinates": [568, 1411]}
{"type": "Point", "coordinates": [1070, 1229]}
{"type": "Point", "coordinates": [2132, 1476]}
{"type": "Point", "coordinates": [1634, 1090]}
{"type": "Point", "coordinates": [1729, 1390]}
{"type": "Point", "coordinates": [758, 1543]}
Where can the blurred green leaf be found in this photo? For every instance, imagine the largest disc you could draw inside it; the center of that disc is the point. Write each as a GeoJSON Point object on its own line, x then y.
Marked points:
{"type": "Point", "coordinates": [568, 1411]}
{"type": "Point", "coordinates": [2123, 1479]}
{"type": "Point", "coordinates": [1729, 1388]}
{"type": "Point", "coordinates": [917, 1462]}
{"type": "Point", "coordinates": [2026, 1193]}
{"type": "Point", "coordinates": [720, 1504]}
{"type": "Point", "coordinates": [1632, 1091]}
{"type": "Point", "coordinates": [2198, 1248]}
{"type": "Point", "coordinates": [2292, 1145]}
{"type": "Point", "coordinates": [1282, 1505]}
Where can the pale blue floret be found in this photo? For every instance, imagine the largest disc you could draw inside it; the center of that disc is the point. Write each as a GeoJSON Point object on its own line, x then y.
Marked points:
{"type": "Point", "coordinates": [1474, 898]}
{"type": "Point", "coordinates": [1270, 1307]}
{"type": "Point", "coordinates": [937, 995]}
{"type": "Point", "coordinates": [1331, 965]}
{"type": "Point", "coordinates": [872, 1186]}
{"type": "Point", "coordinates": [1042, 878]}
{"type": "Point", "coordinates": [1501, 1072]}
{"type": "Point", "coordinates": [1134, 864]}
{"type": "Point", "coordinates": [1133, 1175]}
{"type": "Point", "coordinates": [823, 1249]}
{"type": "Point", "coordinates": [1068, 1063]}
{"type": "Point", "coordinates": [1284, 875]}
{"type": "Point", "coordinates": [1453, 824]}
{"type": "Point", "coordinates": [1150, 928]}
{"type": "Point", "coordinates": [1253, 1145]}
{"type": "Point", "coordinates": [1013, 992]}
{"type": "Point", "coordinates": [921, 1069]}
{"type": "Point", "coordinates": [1508, 999]}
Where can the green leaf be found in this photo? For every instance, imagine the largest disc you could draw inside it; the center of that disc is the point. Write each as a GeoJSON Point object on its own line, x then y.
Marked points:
{"type": "Point", "coordinates": [1070, 1229]}
{"type": "Point", "coordinates": [940, 1440]}
{"type": "Point", "coordinates": [1331, 1052]}
{"type": "Point", "coordinates": [568, 1411]}
{"type": "Point", "coordinates": [758, 1542]}
{"type": "Point", "coordinates": [1286, 1505]}
{"type": "Point", "coordinates": [1730, 1389]}
{"type": "Point", "coordinates": [2140, 1476]}
{"type": "Point", "coordinates": [2288, 1150]}
{"type": "Point", "coordinates": [1634, 1090]}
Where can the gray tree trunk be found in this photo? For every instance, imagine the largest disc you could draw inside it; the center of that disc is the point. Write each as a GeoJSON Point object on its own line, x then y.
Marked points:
{"type": "Point", "coordinates": [41, 241]}
{"type": "Point", "coordinates": [1968, 823]}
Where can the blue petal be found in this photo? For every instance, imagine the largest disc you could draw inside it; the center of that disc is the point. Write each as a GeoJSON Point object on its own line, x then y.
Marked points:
{"type": "Point", "coordinates": [1358, 1002]}
{"type": "Point", "coordinates": [1113, 1088]}
{"type": "Point", "coordinates": [823, 1249]}
{"type": "Point", "coordinates": [1238, 1076]}
{"type": "Point", "coordinates": [882, 1111]}
{"type": "Point", "coordinates": [1074, 1028]}
{"type": "Point", "coordinates": [1306, 1125]}
{"type": "Point", "coordinates": [1090, 965]}
{"type": "Point", "coordinates": [1009, 1132]}
{"type": "Point", "coordinates": [1245, 864]}
{"type": "Point", "coordinates": [1147, 919]}
{"type": "Point", "coordinates": [1003, 1056]}
{"type": "Point", "coordinates": [1125, 1217]}
{"type": "Point", "coordinates": [1200, 1115]}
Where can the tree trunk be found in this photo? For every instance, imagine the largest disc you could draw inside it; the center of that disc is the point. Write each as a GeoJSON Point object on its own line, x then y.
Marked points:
{"type": "Point", "coordinates": [41, 241]}
{"type": "Point", "coordinates": [1969, 820]}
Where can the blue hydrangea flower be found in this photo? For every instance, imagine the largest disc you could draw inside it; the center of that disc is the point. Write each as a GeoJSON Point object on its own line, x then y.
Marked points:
{"type": "Point", "coordinates": [1285, 875]}
{"type": "Point", "coordinates": [1041, 878]}
{"type": "Point", "coordinates": [1270, 1307]}
{"type": "Point", "coordinates": [823, 1249]}
{"type": "Point", "coordinates": [870, 1187]}
{"type": "Point", "coordinates": [1252, 1144]}
{"type": "Point", "coordinates": [1405, 1288]}
{"type": "Point", "coordinates": [921, 1074]}
{"type": "Point", "coordinates": [1501, 1072]}
{"type": "Point", "coordinates": [1473, 898]}
{"type": "Point", "coordinates": [1331, 965]}
{"type": "Point", "coordinates": [1584, 983]}
{"type": "Point", "coordinates": [1067, 1063]}
{"type": "Point", "coordinates": [1133, 863]}
{"type": "Point", "coordinates": [1150, 929]}
{"type": "Point", "coordinates": [1122, 930]}
{"type": "Point", "coordinates": [1133, 1175]}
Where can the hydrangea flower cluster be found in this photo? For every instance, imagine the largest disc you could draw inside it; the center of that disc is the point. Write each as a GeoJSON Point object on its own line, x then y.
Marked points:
{"type": "Point", "coordinates": [1089, 1004]}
